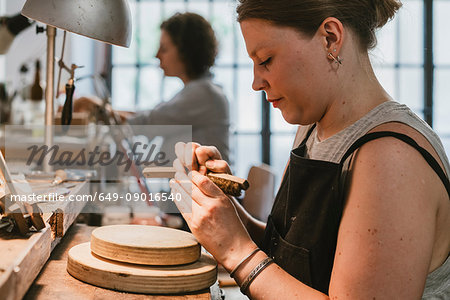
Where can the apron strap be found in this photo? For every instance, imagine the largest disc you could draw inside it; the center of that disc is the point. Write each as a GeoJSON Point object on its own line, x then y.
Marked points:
{"type": "Point", "coordinates": [426, 155]}
{"type": "Point", "coordinates": [308, 134]}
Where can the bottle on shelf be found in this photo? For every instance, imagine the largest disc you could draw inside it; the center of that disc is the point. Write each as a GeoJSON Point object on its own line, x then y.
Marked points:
{"type": "Point", "coordinates": [37, 93]}
{"type": "Point", "coordinates": [36, 105]}
{"type": "Point", "coordinates": [5, 104]}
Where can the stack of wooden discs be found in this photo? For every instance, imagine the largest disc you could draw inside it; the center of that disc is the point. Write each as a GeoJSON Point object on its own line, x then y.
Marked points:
{"type": "Point", "coordinates": [143, 259]}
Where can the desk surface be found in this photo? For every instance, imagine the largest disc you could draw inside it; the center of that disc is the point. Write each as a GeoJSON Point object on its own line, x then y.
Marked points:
{"type": "Point", "coordinates": [55, 283]}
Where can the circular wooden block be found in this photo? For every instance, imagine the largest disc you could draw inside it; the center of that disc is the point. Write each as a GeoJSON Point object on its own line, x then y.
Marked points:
{"type": "Point", "coordinates": [146, 245]}
{"type": "Point", "coordinates": [88, 267]}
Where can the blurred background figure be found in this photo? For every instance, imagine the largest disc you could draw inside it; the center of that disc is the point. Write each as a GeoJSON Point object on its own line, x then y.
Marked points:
{"type": "Point", "coordinates": [187, 50]}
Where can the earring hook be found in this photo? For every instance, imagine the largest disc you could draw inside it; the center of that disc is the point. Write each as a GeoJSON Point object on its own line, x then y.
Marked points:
{"type": "Point", "coordinates": [338, 60]}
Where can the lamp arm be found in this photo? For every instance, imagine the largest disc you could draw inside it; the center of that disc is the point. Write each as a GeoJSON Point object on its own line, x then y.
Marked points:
{"type": "Point", "coordinates": [49, 93]}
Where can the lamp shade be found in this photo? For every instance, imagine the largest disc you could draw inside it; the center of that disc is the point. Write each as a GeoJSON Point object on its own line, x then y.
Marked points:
{"type": "Point", "coordinates": [108, 21]}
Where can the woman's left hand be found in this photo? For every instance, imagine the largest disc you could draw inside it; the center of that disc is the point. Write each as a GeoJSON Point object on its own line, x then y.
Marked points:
{"type": "Point", "coordinates": [211, 216]}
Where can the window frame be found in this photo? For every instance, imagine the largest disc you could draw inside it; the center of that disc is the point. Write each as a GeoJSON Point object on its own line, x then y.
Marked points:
{"type": "Point", "coordinates": [267, 133]}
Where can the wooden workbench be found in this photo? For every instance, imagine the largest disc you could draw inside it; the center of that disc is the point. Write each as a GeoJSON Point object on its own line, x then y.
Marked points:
{"type": "Point", "coordinates": [23, 257]}
{"type": "Point", "coordinates": [55, 283]}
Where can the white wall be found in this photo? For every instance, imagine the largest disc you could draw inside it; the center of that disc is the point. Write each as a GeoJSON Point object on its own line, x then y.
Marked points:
{"type": "Point", "coordinates": [2, 59]}
{"type": "Point", "coordinates": [28, 46]}
{"type": "Point", "coordinates": [82, 50]}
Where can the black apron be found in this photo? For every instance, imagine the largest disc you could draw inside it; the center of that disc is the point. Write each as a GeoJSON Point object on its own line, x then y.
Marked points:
{"type": "Point", "coordinates": [302, 229]}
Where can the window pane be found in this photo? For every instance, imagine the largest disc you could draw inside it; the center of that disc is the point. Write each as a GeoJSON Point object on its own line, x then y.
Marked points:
{"type": "Point", "coordinates": [173, 6]}
{"type": "Point", "coordinates": [441, 114]}
{"type": "Point", "coordinates": [441, 111]}
{"type": "Point", "coordinates": [446, 142]}
{"type": "Point", "coordinates": [123, 88]}
{"type": "Point", "coordinates": [171, 86]}
{"type": "Point", "coordinates": [223, 22]}
{"type": "Point", "coordinates": [150, 20]}
{"type": "Point", "coordinates": [199, 7]}
{"type": "Point", "coordinates": [399, 42]}
{"type": "Point", "coordinates": [440, 30]}
{"type": "Point", "coordinates": [411, 89]}
{"type": "Point", "coordinates": [122, 55]}
{"type": "Point", "coordinates": [389, 81]}
{"type": "Point", "coordinates": [411, 32]}
{"type": "Point", "coordinates": [247, 153]}
{"type": "Point", "coordinates": [150, 82]}
{"type": "Point", "coordinates": [385, 52]}
{"type": "Point", "coordinates": [224, 78]}
{"type": "Point", "coordinates": [243, 57]}
{"type": "Point", "coordinates": [278, 123]}
{"type": "Point", "coordinates": [248, 103]}
{"type": "Point", "coordinates": [281, 146]}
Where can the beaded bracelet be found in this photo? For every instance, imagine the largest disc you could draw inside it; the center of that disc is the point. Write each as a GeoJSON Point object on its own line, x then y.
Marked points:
{"type": "Point", "coordinates": [255, 272]}
{"type": "Point", "coordinates": [242, 261]}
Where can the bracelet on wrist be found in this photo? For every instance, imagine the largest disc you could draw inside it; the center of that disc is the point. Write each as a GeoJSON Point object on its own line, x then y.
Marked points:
{"type": "Point", "coordinates": [255, 272]}
{"type": "Point", "coordinates": [242, 261]}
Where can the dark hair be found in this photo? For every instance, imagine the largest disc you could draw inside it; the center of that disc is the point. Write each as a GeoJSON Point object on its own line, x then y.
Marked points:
{"type": "Point", "coordinates": [195, 40]}
{"type": "Point", "coordinates": [363, 17]}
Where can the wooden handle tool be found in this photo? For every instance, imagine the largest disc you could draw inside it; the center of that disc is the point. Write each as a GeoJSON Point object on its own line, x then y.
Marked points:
{"type": "Point", "coordinates": [229, 184]}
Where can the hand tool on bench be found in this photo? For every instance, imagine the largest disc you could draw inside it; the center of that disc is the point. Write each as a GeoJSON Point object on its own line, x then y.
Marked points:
{"type": "Point", "coordinates": [229, 184]}
{"type": "Point", "coordinates": [24, 215]}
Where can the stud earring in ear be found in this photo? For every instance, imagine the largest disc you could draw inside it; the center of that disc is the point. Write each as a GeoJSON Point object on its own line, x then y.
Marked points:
{"type": "Point", "coordinates": [338, 60]}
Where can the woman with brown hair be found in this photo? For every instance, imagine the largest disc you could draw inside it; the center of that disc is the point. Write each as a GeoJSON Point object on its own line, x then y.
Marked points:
{"type": "Point", "coordinates": [363, 211]}
{"type": "Point", "coordinates": [187, 50]}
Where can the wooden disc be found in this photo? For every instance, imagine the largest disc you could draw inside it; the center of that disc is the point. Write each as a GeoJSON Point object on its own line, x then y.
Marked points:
{"type": "Point", "coordinates": [147, 245]}
{"type": "Point", "coordinates": [88, 267]}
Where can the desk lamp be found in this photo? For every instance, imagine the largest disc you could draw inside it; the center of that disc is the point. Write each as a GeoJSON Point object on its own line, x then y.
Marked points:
{"type": "Point", "coordinates": [108, 21]}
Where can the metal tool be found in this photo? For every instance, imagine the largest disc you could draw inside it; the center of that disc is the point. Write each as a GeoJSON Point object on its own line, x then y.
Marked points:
{"type": "Point", "coordinates": [23, 216]}
{"type": "Point", "coordinates": [66, 114]}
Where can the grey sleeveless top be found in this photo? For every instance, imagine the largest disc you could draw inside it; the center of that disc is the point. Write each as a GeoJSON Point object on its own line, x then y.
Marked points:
{"type": "Point", "coordinates": [332, 149]}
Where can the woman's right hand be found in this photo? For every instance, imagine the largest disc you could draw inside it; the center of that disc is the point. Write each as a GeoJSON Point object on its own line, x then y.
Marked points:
{"type": "Point", "coordinates": [200, 158]}
{"type": "Point", "coordinates": [210, 214]}
{"type": "Point", "coordinates": [194, 157]}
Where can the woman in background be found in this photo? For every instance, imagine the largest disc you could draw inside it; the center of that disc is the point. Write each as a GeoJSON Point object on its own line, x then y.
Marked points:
{"type": "Point", "coordinates": [363, 211]}
{"type": "Point", "coordinates": [187, 50]}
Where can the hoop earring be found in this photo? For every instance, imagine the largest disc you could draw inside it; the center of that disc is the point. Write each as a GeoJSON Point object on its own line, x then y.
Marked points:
{"type": "Point", "coordinates": [338, 60]}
